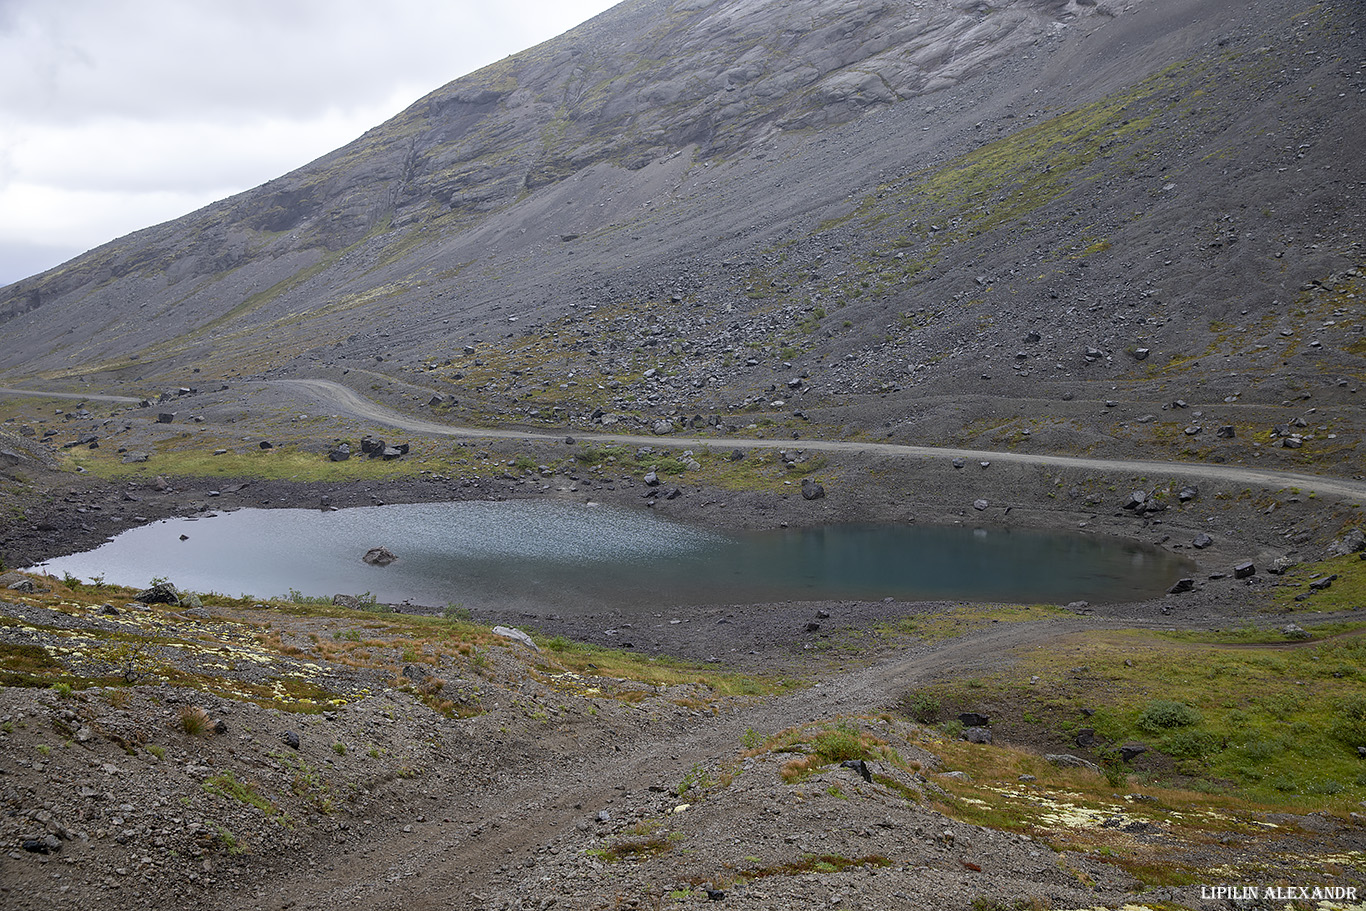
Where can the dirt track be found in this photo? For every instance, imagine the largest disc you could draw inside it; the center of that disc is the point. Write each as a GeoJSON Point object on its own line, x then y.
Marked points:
{"type": "Point", "coordinates": [348, 401]}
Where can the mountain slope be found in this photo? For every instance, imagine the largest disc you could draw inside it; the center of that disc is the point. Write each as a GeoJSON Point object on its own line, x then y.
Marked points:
{"type": "Point", "coordinates": [1007, 200]}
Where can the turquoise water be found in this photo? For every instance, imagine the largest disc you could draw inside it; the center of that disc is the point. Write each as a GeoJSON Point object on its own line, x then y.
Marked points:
{"type": "Point", "coordinates": [546, 557]}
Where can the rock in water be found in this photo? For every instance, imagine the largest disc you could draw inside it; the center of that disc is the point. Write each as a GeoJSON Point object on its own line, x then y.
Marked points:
{"type": "Point", "coordinates": [379, 556]}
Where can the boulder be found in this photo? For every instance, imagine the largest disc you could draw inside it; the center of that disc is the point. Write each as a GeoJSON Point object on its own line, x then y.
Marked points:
{"type": "Point", "coordinates": [160, 593]}
{"type": "Point", "coordinates": [379, 556]}
{"type": "Point", "coordinates": [1244, 570]}
{"type": "Point", "coordinates": [1226, 432]}
{"type": "Point", "coordinates": [651, 479]}
{"type": "Point", "coordinates": [979, 505]}
{"type": "Point", "coordinates": [165, 417]}
{"type": "Point", "coordinates": [1294, 631]}
{"type": "Point", "coordinates": [973, 720]}
{"type": "Point", "coordinates": [1182, 585]}
{"type": "Point", "coordinates": [663, 427]}
{"type": "Point", "coordinates": [1131, 751]}
{"type": "Point", "coordinates": [977, 735]}
{"type": "Point", "coordinates": [811, 490]}
{"type": "Point", "coordinates": [340, 453]}
{"type": "Point", "coordinates": [1187, 494]}
{"type": "Point", "coordinates": [1134, 500]}
{"type": "Point", "coordinates": [1202, 541]}
{"type": "Point", "coordinates": [1067, 760]}
{"type": "Point", "coordinates": [516, 635]}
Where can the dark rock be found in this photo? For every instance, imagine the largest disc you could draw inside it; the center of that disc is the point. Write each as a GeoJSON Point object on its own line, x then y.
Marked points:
{"type": "Point", "coordinates": [161, 593]}
{"type": "Point", "coordinates": [974, 720]}
{"type": "Point", "coordinates": [379, 556]}
{"type": "Point", "coordinates": [1131, 751]}
{"type": "Point", "coordinates": [1182, 585]}
{"type": "Point", "coordinates": [1187, 494]}
{"type": "Point", "coordinates": [822, 615]}
{"type": "Point", "coordinates": [977, 735]}
{"type": "Point", "coordinates": [1202, 541]}
{"type": "Point", "coordinates": [1134, 500]}
{"type": "Point", "coordinates": [220, 727]}
{"type": "Point", "coordinates": [389, 453]}
{"type": "Point", "coordinates": [812, 627]}
{"type": "Point", "coordinates": [1244, 570]}
{"type": "Point", "coordinates": [569, 441]}
{"type": "Point", "coordinates": [291, 739]}
{"type": "Point", "coordinates": [736, 455]}
{"type": "Point", "coordinates": [1319, 585]}
{"type": "Point", "coordinates": [109, 610]}
{"type": "Point", "coordinates": [715, 895]}
{"type": "Point", "coordinates": [673, 494]}
{"type": "Point", "coordinates": [812, 490]}
{"type": "Point", "coordinates": [369, 446]}
{"type": "Point", "coordinates": [340, 453]}
{"type": "Point", "coordinates": [960, 463]}
{"type": "Point", "coordinates": [1225, 432]}
{"type": "Point", "coordinates": [436, 400]}
{"type": "Point", "coordinates": [860, 766]}
{"type": "Point", "coordinates": [165, 417]}
{"type": "Point", "coordinates": [266, 444]}
{"type": "Point", "coordinates": [1086, 737]}
{"type": "Point", "coordinates": [415, 673]}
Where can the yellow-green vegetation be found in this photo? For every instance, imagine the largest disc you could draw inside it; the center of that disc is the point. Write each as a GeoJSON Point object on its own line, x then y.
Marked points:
{"type": "Point", "coordinates": [1345, 592]}
{"type": "Point", "coordinates": [960, 620]}
{"type": "Point", "coordinates": [821, 744]}
{"type": "Point", "coordinates": [1257, 721]}
{"type": "Point", "coordinates": [158, 646]}
{"type": "Point", "coordinates": [225, 784]}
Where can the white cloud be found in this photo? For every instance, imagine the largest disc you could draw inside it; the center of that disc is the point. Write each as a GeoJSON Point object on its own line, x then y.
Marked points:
{"type": "Point", "coordinates": [123, 113]}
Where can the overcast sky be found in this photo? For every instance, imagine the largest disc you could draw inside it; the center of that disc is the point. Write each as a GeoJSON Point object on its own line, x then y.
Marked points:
{"type": "Point", "coordinates": [120, 114]}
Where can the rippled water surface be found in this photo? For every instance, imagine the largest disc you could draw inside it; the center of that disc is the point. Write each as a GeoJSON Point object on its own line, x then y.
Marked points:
{"type": "Point", "coordinates": [551, 557]}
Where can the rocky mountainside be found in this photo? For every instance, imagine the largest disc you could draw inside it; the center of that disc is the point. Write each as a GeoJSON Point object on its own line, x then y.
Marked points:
{"type": "Point", "coordinates": [878, 204]}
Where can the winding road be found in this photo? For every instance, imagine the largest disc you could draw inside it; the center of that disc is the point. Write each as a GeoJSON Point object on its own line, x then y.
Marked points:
{"type": "Point", "coordinates": [348, 402]}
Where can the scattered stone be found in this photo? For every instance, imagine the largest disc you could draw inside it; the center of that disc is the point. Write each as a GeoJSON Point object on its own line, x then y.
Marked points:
{"type": "Point", "coordinates": [165, 417]}
{"type": "Point", "coordinates": [812, 626]}
{"type": "Point", "coordinates": [340, 453]}
{"type": "Point", "coordinates": [960, 463]}
{"type": "Point", "coordinates": [651, 479]}
{"type": "Point", "coordinates": [1085, 737]}
{"type": "Point", "coordinates": [663, 427]}
{"type": "Point", "coordinates": [1202, 541]}
{"type": "Point", "coordinates": [266, 444]}
{"type": "Point", "coordinates": [1134, 500]}
{"type": "Point", "coordinates": [1244, 570]}
{"type": "Point", "coordinates": [291, 739]}
{"type": "Point", "coordinates": [980, 505]}
{"type": "Point", "coordinates": [1182, 586]}
{"type": "Point", "coordinates": [1225, 432]}
{"type": "Point", "coordinates": [134, 457]}
{"type": "Point", "coordinates": [1187, 494]}
{"type": "Point", "coordinates": [379, 556]}
{"type": "Point", "coordinates": [811, 490]}
{"type": "Point", "coordinates": [1319, 585]}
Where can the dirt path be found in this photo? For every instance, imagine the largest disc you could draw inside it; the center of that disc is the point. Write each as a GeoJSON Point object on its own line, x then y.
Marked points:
{"type": "Point", "coordinates": [510, 829]}
{"type": "Point", "coordinates": [346, 400]}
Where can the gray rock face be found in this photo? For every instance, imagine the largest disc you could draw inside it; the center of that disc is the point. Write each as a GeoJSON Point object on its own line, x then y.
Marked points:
{"type": "Point", "coordinates": [1350, 543]}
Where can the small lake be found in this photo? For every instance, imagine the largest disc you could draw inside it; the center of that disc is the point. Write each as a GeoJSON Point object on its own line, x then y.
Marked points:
{"type": "Point", "coordinates": [546, 557]}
